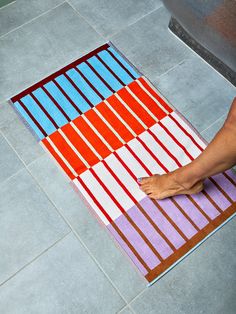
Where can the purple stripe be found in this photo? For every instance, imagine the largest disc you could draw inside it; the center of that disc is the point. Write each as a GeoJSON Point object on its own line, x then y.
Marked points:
{"type": "Point", "coordinates": [162, 223]}
{"type": "Point", "coordinates": [127, 250]}
{"type": "Point", "coordinates": [216, 195]}
{"type": "Point", "coordinates": [191, 210]}
{"type": "Point", "coordinates": [174, 213]}
{"type": "Point", "coordinates": [227, 186]}
{"type": "Point", "coordinates": [232, 174]}
{"type": "Point", "coordinates": [157, 241]}
{"type": "Point", "coordinates": [137, 241]}
{"type": "Point", "coordinates": [206, 205]}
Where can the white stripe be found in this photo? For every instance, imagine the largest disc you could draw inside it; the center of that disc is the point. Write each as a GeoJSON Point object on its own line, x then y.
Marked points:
{"type": "Point", "coordinates": [142, 104]}
{"type": "Point", "coordinates": [113, 186]}
{"type": "Point", "coordinates": [61, 156]}
{"type": "Point", "coordinates": [97, 133]}
{"type": "Point", "coordinates": [159, 152]}
{"type": "Point", "coordinates": [109, 126]}
{"type": "Point", "coordinates": [125, 177]}
{"type": "Point", "coordinates": [85, 140]}
{"type": "Point", "coordinates": [150, 95]}
{"type": "Point", "coordinates": [170, 143]}
{"type": "Point", "coordinates": [131, 111]}
{"type": "Point", "coordinates": [90, 202]}
{"type": "Point", "coordinates": [131, 162]}
{"type": "Point", "coordinates": [73, 148]}
{"type": "Point", "coordinates": [120, 118]}
{"type": "Point", "coordinates": [99, 193]}
{"type": "Point", "coordinates": [146, 158]}
{"type": "Point", "coordinates": [181, 137]}
{"type": "Point", "coordinates": [188, 129]}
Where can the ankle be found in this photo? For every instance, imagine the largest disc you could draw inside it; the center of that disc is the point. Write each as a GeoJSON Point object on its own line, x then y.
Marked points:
{"type": "Point", "coordinates": [182, 178]}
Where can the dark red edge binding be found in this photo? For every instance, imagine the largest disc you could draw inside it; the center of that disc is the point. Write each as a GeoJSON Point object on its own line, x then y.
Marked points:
{"type": "Point", "coordinates": [59, 72]}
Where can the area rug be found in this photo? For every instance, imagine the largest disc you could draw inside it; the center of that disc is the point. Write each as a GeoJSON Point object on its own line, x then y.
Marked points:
{"type": "Point", "coordinates": [106, 126]}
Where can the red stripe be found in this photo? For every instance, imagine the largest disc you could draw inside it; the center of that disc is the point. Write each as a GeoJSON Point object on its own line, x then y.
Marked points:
{"type": "Point", "coordinates": [165, 149]}
{"type": "Point", "coordinates": [110, 70]}
{"type": "Point", "coordinates": [55, 103]}
{"type": "Point", "coordinates": [125, 166]}
{"type": "Point", "coordinates": [44, 110]}
{"type": "Point", "coordinates": [139, 160]}
{"type": "Point", "coordinates": [119, 182]}
{"type": "Point", "coordinates": [186, 132]}
{"type": "Point", "coordinates": [100, 77]}
{"type": "Point", "coordinates": [32, 118]}
{"type": "Point", "coordinates": [67, 97]}
{"type": "Point", "coordinates": [176, 141]}
{"type": "Point", "coordinates": [153, 155]}
{"type": "Point", "coordinates": [95, 200]}
{"type": "Point", "coordinates": [61, 71]}
{"type": "Point", "coordinates": [118, 61]}
{"type": "Point", "coordinates": [78, 90]}
{"type": "Point", "coordinates": [89, 83]}
{"type": "Point", "coordinates": [107, 190]}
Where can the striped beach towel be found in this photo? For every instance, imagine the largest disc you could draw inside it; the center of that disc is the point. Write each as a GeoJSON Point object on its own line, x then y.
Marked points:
{"type": "Point", "coordinates": [106, 126]}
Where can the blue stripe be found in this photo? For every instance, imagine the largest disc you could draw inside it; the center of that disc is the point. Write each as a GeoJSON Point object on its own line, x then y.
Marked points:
{"type": "Point", "coordinates": [28, 120]}
{"type": "Point", "coordinates": [106, 74]}
{"type": "Point", "coordinates": [111, 62]}
{"type": "Point", "coordinates": [39, 115]}
{"type": "Point", "coordinates": [72, 93]}
{"type": "Point", "coordinates": [125, 63]}
{"type": "Point", "coordinates": [50, 107]}
{"type": "Point", "coordinates": [81, 83]}
{"type": "Point", "coordinates": [92, 77]}
{"type": "Point", "coordinates": [61, 100]}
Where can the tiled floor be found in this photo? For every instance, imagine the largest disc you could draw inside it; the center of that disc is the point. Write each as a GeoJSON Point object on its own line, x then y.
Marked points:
{"type": "Point", "coordinates": [54, 255]}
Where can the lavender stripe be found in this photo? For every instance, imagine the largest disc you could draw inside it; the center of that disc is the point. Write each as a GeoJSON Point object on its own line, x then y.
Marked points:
{"type": "Point", "coordinates": [191, 210]}
{"type": "Point", "coordinates": [206, 205]}
{"type": "Point", "coordinates": [227, 186]}
{"type": "Point", "coordinates": [157, 241]}
{"type": "Point", "coordinates": [215, 194]}
{"type": "Point", "coordinates": [162, 223]}
{"type": "Point", "coordinates": [174, 213]}
{"type": "Point", "coordinates": [232, 174]}
{"type": "Point", "coordinates": [137, 241]}
{"type": "Point", "coordinates": [127, 250]}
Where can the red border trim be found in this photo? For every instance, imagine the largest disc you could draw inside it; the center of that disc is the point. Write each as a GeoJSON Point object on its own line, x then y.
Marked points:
{"type": "Point", "coordinates": [59, 72]}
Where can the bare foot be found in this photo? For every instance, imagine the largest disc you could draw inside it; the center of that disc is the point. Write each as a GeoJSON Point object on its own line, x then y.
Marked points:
{"type": "Point", "coordinates": [166, 185]}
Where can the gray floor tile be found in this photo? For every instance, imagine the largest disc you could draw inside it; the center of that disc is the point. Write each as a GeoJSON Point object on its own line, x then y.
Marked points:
{"type": "Point", "coordinates": [210, 132]}
{"type": "Point", "coordinates": [29, 223]}
{"type": "Point", "coordinates": [63, 280]}
{"type": "Point", "coordinates": [43, 46]}
{"type": "Point", "coordinates": [204, 282]}
{"type": "Point", "coordinates": [7, 114]}
{"type": "Point", "coordinates": [197, 91]}
{"type": "Point", "coordinates": [22, 139]}
{"type": "Point", "coordinates": [115, 264]}
{"type": "Point", "coordinates": [126, 310]}
{"type": "Point", "coordinates": [21, 12]}
{"type": "Point", "coordinates": [150, 46]}
{"type": "Point", "coordinates": [110, 16]}
{"type": "Point", "coordinates": [9, 162]}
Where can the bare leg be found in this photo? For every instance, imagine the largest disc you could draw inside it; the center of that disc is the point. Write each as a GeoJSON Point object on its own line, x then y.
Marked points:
{"type": "Point", "coordinates": [219, 156]}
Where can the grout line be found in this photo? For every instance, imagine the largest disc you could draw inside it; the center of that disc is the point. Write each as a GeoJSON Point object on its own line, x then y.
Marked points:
{"type": "Point", "coordinates": [201, 58]}
{"type": "Point", "coordinates": [225, 114]}
{"type": "Point", "coordinates": [7, 5]}
{"type": "Point", "coordinates": [79, 239]}
{"type": "Point", "coordinates": [141, 17]}
{"type": "Point", "coordinates": [170, 69]}
{"type": "Point", "coordinates": [80, 15]}
{"type": "Point", "coordinates": [35, 258]}
{"type": "Point", "coordinates": [127, 307]}
{"type": "Point", "coordinates": [35, 18]}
